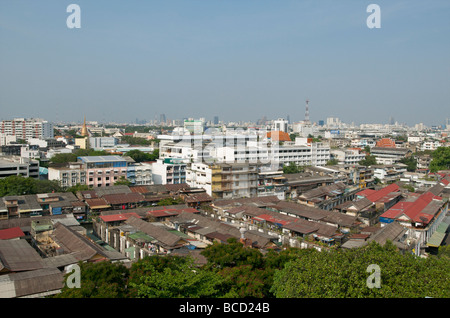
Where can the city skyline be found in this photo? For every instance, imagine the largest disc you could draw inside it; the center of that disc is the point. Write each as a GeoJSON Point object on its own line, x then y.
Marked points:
{"type": "Point", "coordinates": [238, 60]}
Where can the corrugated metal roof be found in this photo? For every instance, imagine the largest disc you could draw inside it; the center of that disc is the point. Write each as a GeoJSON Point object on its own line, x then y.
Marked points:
{"type": "Point", "coordinates": [18, 255]}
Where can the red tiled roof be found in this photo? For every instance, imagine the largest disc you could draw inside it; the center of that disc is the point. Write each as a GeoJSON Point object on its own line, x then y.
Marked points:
{"type": "Point", "coordinates": [118, 217]}
{"type": "Point", "coordinates": [278, 135]}
{"type": "Point", "coordinates": [378, 195]}
{"type": "Point", "coordinates": [14, 232]}
{"type": "Point", "coordinates": [272, 219]}
{"type": "Point", "coordinates": [413, 210]}
{"type": "Point", "coordinates": [168, 212]}
{"type": "Point", "coordinates": [386, 142]}
{"type": "Point", "coordinates": [366, 192]}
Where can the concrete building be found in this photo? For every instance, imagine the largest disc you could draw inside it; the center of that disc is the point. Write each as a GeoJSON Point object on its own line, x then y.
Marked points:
{"type": "Point", "coordinates": [104, 171]}
{"type": "Point", "coordinates": [18, 166]}
{"type": "Point", "coordinates": [68, 175]}
{"type": "Point", "coordinates": [169, 171]}
{"type": "Point", "coordinates": [388, 155]}
{"type": "Point", "coordinates": [102, 142]}
{"type": "Point", "coordinates": [347, 156]}
{"type": "Point", "coordinates": [27, 128]}
{"type": "Point", "coordinates": [143, 173]}
{"type": "Point", "coordinates": [280, 125]}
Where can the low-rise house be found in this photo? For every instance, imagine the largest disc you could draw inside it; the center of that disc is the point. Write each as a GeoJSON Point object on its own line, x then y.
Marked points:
{"type": "Point", "coordinates": [327, 197]}
{"type": "Point", "coordinates": [369, 204]}
{"type": "Point", "coordinates": [124, 201]}
{"type": "Point", "coordinates": [420, 214]}
{"type": "Point", "coordinates": [389, 173]}
{"type": "Point", "coordinates": [31, 284]}
{"type": "Point", "coordinates": [393, 232]}
{"type": "Point", "coordinates": [211, 230]}
{"type": "Point", "coordinates": [389, 155]}
{"type": "Point", "coordinates": [298, 183]}
{"type": "Point", "coordinates": [20, 206]}
{"type": "Point", "coordinates": [18, 256]}
{"type": "Point", "coordinates": [68, 241]}
{"type": "Point", "coordinates": [14, 233]}
{"type": "Point", "coordinates": [164, 241]}
{"type": "Point", "coordinates": [57, 203]}
{"type": "Point", "coordinates": [103, 224]}
{"type": "Point", "coordinates": [345, 223]}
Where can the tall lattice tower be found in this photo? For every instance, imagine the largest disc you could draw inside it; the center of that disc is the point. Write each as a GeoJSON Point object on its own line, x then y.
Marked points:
{"type": "Point", "coordinates": [307, 112]}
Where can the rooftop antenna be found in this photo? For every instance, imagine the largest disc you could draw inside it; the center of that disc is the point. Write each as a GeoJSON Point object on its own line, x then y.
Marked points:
{"type": "Point", "coordinates": [307, 112]}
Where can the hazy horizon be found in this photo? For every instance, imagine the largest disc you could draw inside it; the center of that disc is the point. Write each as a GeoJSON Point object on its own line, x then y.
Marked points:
{"type": "Point", "coordinates": [236, 59]}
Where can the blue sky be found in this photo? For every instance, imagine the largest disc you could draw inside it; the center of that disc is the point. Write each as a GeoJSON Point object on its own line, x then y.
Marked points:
{"type": "Point", "coordinates": [237, 59]}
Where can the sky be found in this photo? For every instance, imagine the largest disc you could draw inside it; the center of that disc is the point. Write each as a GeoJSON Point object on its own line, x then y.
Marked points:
{"type": "Point", "coordinates": [239, 60]}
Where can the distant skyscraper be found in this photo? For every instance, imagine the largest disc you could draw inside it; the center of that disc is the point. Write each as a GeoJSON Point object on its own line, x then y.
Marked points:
{"type": "Point", "coordinates": [391, 120]}
{"type": "Point", "coordinates": [162, 118]}
{"type": "Point", "coordinates": [321, 122]}
{"type": "Point", "coordinates": [288, 119]}
{"type": "Point", "coordinates": [216, 120]}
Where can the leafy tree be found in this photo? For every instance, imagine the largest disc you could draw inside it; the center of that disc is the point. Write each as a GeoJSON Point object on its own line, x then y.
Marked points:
{"type": "Point", "coordinates": [180, 280]}
{"type": "Point", "coordinates": [63, 158]}
{"type": "Point", "coordinates": [332, 162]}
{"type": "Point", "coordinates": [72, 157]}
{"type": "Point", "coordinates": [441, 159]}
{"type": "Point", "coordinates": [18, 185]}
{"type": "Point", "coordinates": [410, 162]}
{"type": "Point", "coordinates": [246, 281]}
{"type": "Point", "coordinates": [79, 187]}
{"type": "Point", "coordinates": [45, 186]}
{"type": "Point", "coordinates": [98, 280]}
{"type": "Point", "coordinates": [231, 254]}
{"type": "Point", "coordinates": [368, 161]}
{"type": "Point", "coordinates": [170, 201]}
{"type": "Point", "coordinates": [292, 168]}
{"type": "Point", "coordinates": [136, 140]}
{"type": "Point", "coordinates": [140, 156]}
{"type": "Point", "coordinates": [343, 273]}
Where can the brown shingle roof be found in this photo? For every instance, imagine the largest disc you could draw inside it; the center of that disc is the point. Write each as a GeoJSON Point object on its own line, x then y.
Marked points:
{"type": "Point", "coordinates": [168, 239]}
{"type": "Point", "coordinates": [18, 255]}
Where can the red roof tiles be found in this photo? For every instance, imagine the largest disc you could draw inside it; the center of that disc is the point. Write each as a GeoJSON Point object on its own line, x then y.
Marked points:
{"type": "Point", "coordinates": [118, 217]}
{"type": "Point", "coordinates": [14, 232]}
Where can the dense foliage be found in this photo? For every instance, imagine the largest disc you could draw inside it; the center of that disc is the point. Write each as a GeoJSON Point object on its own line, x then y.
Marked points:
{"type": "Point", "coordinates": [370, 160]}
{"type": "Point", "coordinates": [72, 157]}
{"type": "Point", "coordinates": [440, 159]}
{"type": "Point", "coordinates": [292, 168]}
{"type": "Point", "coordinates": [233, 270]}
{"type": "Point", "coordinates": [140, 156]}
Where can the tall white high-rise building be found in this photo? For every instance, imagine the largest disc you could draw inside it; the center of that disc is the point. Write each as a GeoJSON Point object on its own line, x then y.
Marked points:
{"type": "Point", "coordinates": [24, 128]}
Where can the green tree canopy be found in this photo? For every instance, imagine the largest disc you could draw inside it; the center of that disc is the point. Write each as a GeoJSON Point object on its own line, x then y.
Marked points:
{"type": "Point", "coordinates": [140, 156]}
{"type": "Point", "coordinates": [292, 168]}
{"type": "Point", "coordinates": [180, 280]}
{"type": "Point", "coordinates": [368, 161]}
{"type": "Point", "coordinates": [18, 185]}
{"type": "Point", "coordinates": [231, 254]}
{"type": "Point", "coordinates": [343, 273]}
{"type": "Point", "coordinates": [98, 280]}
{"type": "Point", "coordinates": [441, 159]}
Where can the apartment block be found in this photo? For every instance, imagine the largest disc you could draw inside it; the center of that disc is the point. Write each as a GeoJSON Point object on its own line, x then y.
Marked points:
{"type": "Point", "coordinates": [104, 171]}
{"type": "Point", "coordinates": [18, 166]}
{"type": "Point", "coordinates": [169, 171]}
{"type": "Point", "coordinates": [68, 175]}
{"type": "Point", "coordinates": [27, 128]}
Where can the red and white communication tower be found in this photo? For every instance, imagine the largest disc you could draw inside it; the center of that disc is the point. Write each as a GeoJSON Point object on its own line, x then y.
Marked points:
{"type": "Point", "coordinates": [307, 112]}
